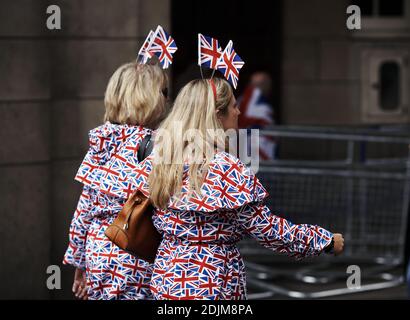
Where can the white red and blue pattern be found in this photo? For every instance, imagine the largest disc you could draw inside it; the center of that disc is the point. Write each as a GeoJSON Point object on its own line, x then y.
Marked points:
{"type": "Point", "coordinates": [209, 51]}
{"type": "Point", "coordinates": [198, 257]}
{"type": "Point", "coordinates": [111, 272]}
{"type": "Point", "coordinates": [230, 64]}
{"type": "Point", "coordinates": [163, 46]}
{"type": "Point", "coordinates": [143, 55]}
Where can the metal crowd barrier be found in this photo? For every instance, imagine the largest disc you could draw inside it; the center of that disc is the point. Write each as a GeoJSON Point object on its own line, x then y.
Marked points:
{"type": "Point", "coordinates": [365, 199]}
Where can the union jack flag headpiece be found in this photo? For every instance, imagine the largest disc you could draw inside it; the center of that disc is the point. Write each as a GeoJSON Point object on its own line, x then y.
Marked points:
{"type": "Point", "coordinates": [163, 46]}
{"type": "Point", "coordinates": [230, 64]}
{"type": "Point", "coordinates": [209, 51]}
{"type": "Point", "coordinates": [143, 55]}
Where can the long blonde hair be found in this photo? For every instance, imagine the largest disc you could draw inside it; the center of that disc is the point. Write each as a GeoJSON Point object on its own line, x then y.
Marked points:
{"type": "Point", "coordinates": [135, 95]}
{"type": "Point", "coordinates": [194, 108]}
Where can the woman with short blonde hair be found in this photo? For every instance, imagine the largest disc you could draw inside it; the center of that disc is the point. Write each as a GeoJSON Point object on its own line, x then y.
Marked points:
{"type": "Point", "coordinates": [135, 102]}
{"type": "Point", "coordinates": [202, 209]}
{"type": "Point", "coordinates": [135, 95]}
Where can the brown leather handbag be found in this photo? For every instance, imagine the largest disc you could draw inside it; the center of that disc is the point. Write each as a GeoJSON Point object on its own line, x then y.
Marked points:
{"type": "Point", "coordinates": [133, 230]}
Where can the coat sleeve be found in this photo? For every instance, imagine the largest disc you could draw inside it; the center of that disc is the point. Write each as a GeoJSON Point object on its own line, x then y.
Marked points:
{"type": "Point", "coordinates": [75, 253]}
{"type": "Point", "coordinates": [280, 235]}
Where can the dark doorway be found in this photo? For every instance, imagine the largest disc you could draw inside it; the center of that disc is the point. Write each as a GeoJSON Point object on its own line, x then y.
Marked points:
{"type": "Point", "coordinates": [253, 26]}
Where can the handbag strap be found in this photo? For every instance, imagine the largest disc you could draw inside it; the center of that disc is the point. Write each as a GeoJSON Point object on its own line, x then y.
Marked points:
{"type": "Point", "coordinates": [145, 148]}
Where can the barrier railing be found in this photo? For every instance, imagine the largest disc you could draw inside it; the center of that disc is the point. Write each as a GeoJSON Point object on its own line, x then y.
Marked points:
{"type": "Point", "coordinates": [365, 199]}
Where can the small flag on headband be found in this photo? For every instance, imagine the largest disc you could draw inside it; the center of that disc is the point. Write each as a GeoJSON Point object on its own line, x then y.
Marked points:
{"type": "Point", "coordinates": [143, 55]}
{"type": "Point", "coordinates": [163, 46]}
{"type": "Point", "coordinates": [230, 64]}
{"type": "Point", "coordinates": [209, 51]}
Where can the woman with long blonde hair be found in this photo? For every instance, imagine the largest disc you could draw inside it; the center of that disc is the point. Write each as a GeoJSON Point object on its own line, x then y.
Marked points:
{"type": "Point", "coordinates": [206, 200]}
{"type": "Point", "coordinates": [135, 103]}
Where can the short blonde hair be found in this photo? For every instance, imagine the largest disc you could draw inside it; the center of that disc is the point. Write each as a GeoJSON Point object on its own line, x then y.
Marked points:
{"type": "Point", "coordinates": [136, 95]}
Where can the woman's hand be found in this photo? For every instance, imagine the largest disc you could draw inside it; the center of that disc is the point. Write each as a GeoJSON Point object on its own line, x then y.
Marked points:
{"type": "Point", "coordinates": [80, 284]}
{"type": "Point", "coordinates": [338, 243]}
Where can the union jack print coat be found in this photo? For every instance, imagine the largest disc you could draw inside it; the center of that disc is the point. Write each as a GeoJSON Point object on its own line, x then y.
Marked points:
{"type": "Point", "coordinates": [111, 272]}
{"type": "Point", "coordinates": [198, 257]}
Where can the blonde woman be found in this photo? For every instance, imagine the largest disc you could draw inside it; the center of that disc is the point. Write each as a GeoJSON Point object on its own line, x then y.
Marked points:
{"type": "Point", "coordinates": [205, 202]}
{"type": "Point", "coordinates": [135, 103]}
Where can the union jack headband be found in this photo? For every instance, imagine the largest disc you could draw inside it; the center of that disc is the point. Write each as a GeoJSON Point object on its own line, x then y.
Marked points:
{"type": "Point", "coordinates": [209, 51]}
{"type": "Point", "coordinates": [229, 64]}
{"type": "Point", "coordinates": [213, 87]}
{"type": "Point", "coordinates": [143, 54]}
{"type": "Point", "coordinates": [210, 55]}
{"type": "Point", "coordinates": [160, 44]}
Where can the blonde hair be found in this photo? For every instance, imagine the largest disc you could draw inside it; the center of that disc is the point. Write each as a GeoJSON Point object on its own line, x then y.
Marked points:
{"type": "Point", "coordinates": [135, 96]}
{"type": "Point", "coordinates": [194, 108]}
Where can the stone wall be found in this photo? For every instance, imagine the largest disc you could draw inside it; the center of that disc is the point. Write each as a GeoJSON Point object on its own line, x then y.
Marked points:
{"type": "Point", "coordinates": [316, 84]}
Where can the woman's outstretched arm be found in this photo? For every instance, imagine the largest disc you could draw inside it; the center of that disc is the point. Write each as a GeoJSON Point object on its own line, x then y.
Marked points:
{"type": "Point", "coordinates": [281, 235]}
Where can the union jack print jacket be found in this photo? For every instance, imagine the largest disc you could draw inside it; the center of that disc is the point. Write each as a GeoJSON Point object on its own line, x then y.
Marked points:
{"type": "Point", "coordinates": [105, 143]}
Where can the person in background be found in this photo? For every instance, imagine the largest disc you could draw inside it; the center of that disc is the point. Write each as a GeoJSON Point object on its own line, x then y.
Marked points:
{"type": "Point", "coordinates": [135, 103]}
{"type": "Point", "coordinates": [258, 113]}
